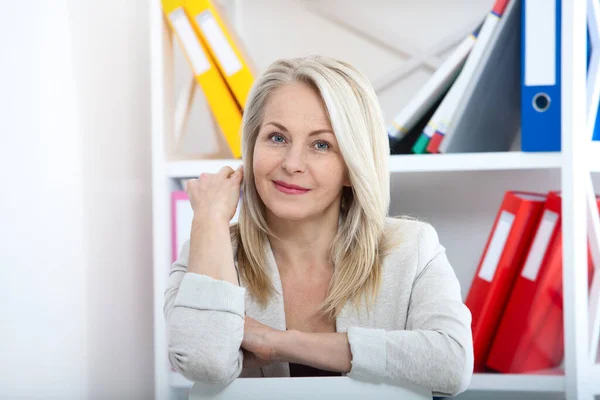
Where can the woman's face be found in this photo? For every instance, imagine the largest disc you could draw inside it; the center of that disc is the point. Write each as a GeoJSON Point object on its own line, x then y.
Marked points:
{"type": "Point", "coordinates": [298, 169]}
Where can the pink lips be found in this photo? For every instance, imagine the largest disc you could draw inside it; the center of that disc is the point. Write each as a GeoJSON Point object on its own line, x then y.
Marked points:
{"type": "Point", "coordinates": [290, 189]}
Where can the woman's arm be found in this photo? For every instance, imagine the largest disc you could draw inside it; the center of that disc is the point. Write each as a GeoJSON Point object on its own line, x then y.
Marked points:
{"type": "Point", "coordinates": [436, 350]}
{"type": "Point", "coordinates": [211, 253]}
{"type": "Point", "coordinates": [204, 306]}
{"type": "Point", "coordinates": [205, 322]}
{"type": "Point", "coordinates": [328, 351]}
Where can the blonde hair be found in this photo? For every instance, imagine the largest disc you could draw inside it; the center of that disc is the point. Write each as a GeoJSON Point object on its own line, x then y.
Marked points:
{"type": "Point", "coordinates": [357, 121]}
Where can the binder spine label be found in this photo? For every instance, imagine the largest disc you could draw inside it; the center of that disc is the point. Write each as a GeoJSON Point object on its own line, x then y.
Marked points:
{"type": "Point", "coordinates": [494, 251]}
{"type": "Point", "coordinates": [540, 42]}
{"type": "Point", "coordinates": [189, 41]}
{"type": "Point", "coordinates": [539, 245]}
{"type": "Point", "coordinates": [218, 42]}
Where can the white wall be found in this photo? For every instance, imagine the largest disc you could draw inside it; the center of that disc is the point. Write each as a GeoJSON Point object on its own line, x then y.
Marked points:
{"type": "Point", "coordinates": [111, 65]}
{"type": "Point", "coordinates": [43, 288]}
{"type": "Point", "coordinates": [75, 230]}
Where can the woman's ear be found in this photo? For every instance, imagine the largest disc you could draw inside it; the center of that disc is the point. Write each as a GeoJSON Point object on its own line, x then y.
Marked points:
{"type": "Point", "coordinates": [347, 182]}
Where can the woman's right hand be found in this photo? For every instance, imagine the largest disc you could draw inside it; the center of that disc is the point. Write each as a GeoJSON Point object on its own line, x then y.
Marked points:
{"type": "Point", "coordinates": [215, 195]}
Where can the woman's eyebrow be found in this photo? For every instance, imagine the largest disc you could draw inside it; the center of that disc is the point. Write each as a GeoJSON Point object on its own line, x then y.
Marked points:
{"type": "Point", "coordinates": [283, 128]}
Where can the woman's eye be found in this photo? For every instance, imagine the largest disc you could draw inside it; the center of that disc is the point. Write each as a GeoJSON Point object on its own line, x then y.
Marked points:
{"type": "Point", "coordinates": [277, 138]}
{"type": "Point", "coordinates": [322, 146]}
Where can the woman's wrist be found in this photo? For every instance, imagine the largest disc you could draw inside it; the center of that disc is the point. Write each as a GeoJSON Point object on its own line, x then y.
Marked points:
{"type": "Point", "coordinates": [211, 251]}
{"type": "Point", "coordinates": [208, 221]}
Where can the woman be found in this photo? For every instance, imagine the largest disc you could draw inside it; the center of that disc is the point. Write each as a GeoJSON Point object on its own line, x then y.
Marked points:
{"type": "Point", "coordinates": [315, 279]}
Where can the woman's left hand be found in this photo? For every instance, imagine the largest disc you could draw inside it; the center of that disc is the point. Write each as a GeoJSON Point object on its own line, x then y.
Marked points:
{"type": "Point", "coordinates": [259, 340]}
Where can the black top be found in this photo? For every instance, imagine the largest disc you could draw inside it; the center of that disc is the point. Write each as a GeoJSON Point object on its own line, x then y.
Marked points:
{"type": "Point", "coordinates": [297, 370]}
{"type": "Point", "coordinates": [301, 370]}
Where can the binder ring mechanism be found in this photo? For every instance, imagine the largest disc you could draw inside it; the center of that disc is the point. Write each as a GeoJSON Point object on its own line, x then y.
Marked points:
{"type": "Point", "coordinates": [541, 102]}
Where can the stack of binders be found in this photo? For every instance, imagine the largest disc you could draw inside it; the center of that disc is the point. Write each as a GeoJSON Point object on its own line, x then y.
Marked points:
{"type": "Point", "coordinates": [516, 296]}
{"type": "Point", "coordinates": [504, 80]}
{"type": "Point", "coordinates": [218, 61]}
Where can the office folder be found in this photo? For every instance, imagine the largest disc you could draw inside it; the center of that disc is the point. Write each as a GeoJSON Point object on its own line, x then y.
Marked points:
{"type": "Point", "coordinates": [544, 347]}
{"type": "Point", "coordinates": [445, 115]}
{"type": "Point", "coordinates": [420, 146]}
{"type": "Point", "coordinates": [514, 325]}
{"type": "Point", "coordinates": [541, 76]}
{"type": "Point", "coordinates": [530, 336]}
{"type": "Point", "coordinates": [433, 89]}
{"type": "Point", "coordinates": [224, 47]}
{"type": "Point", "coordinates": [405, 143]}
{"type": "Point", "coordinates": [487, 118]}
{"type": "Point", "coordinates": [223, 106]}
{"type": "Point", "coordinates": [502, 259]}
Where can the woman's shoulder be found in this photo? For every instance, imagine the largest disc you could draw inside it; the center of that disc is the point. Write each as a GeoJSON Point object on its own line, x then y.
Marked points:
{"type": "Point", "coordinates": [411, 239]}
{"type": "Point", "coordinates": [408, 229]}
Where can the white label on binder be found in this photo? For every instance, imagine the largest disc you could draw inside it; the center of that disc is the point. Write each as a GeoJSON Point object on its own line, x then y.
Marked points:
{"type": "Point", "coordinates": [190, 42]}
{"type": "Point", "coordinates": [494, 251]}
{"type": "Point", "coordinates": [539, 245]}
{"type": "Point", "coordinates": [540, 43]}
{"type": "Point", "coordinates": [218, 42]}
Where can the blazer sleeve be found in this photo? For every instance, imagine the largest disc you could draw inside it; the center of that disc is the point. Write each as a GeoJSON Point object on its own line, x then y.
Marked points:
{"type": "Point", "coordinates": [436, 349]}
{"type": "Point", "coordinates": [205, 324]}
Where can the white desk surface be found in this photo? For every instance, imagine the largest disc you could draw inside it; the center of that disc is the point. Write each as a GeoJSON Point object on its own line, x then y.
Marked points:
{"type": "Point", "coordinates": [316, 388]}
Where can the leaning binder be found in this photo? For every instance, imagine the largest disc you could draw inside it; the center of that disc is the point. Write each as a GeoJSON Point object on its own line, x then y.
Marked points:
{"type": "Point", "coordinates": [226, 52]}
{"type": "Point", "coordinates": [222, 104]}
{"type": "Point", "coordinates": [501, 261]}
{"type": "Point", "coordinates": [434, 88]}
{"type": "Point", "coordinates": [407, 141]}
{"type": "Point", "coordinates": [488, 116]}
{"type": "Point", "coordinates": [442, 119]}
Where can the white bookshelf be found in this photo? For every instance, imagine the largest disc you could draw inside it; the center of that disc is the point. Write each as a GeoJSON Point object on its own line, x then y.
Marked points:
{"type": "Point", "coordinates": [581, 378]}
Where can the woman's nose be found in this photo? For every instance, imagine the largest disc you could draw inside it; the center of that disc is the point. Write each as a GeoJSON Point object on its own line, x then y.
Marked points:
{"type": "Point", "coordinates": [294, 160]}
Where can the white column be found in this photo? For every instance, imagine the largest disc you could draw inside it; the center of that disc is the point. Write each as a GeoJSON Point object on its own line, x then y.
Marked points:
{"type": "Point", "coordinates": [574, 175]}
{"type": "Point", "coordinates": [43, 323]}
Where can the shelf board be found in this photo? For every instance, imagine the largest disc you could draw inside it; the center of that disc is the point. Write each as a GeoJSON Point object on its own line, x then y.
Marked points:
{"type": "Point", "coordinates": [513, 160]}
{"type": "Point", "coordinates": [517, 383]}
{"type": "Point", "coordinates": [407, 163]}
